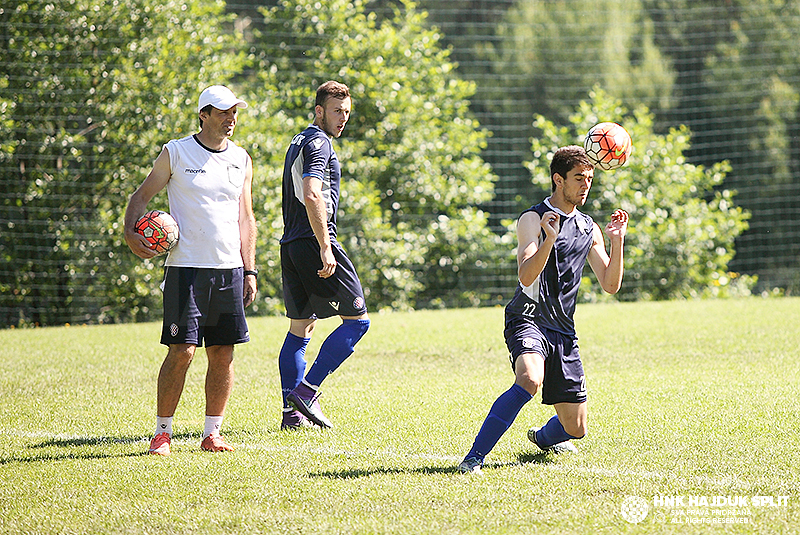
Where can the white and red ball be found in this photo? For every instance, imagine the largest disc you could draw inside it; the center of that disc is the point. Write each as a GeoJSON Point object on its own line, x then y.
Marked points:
{"type": "Point", "coordinates": [160, 229]}
{"type": "Point", "coordinates": [608, 145]}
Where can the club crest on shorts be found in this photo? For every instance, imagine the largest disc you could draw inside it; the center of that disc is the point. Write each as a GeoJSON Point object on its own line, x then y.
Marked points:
{"type": "Point", "coordinates": [173, 330]}
{"type": "Point", "coordinates": [358, 303]}
{"type": "Point", "coordinates": [527, 343]}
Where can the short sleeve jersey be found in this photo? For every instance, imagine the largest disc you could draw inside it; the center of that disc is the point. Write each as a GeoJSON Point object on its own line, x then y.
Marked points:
{"type": "Point", "coordinates": [204, 191]}
{"type": "Point", "coordinates": [310, 154]}
{"type": "Point", "coordinates": [551, 299]}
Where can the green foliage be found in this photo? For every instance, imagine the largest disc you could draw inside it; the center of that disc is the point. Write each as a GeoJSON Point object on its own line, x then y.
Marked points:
{"type": "Point", "coordinates": [766, 107]}
{"type": "Point", "coordinates": [89, 91]}
{"type": "Point", "coordinates": [545, 40]}
{"type": "Point", "coordinates": [683, 224]}
{"type": "Point", "coordinates": [412, 172]}
{"type": "Point", "coordinates": [95, 92]}
{"type": "Point", "coordinates": [743, 72]}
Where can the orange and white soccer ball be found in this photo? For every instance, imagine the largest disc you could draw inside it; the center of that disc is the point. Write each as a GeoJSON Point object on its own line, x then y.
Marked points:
{"type": "Point", "coordinates": [608, 145]}
{"type": "Point", "coordinates": [160, 229]}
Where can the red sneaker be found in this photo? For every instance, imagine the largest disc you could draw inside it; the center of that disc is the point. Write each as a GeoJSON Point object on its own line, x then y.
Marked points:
{"type": "Point", "coordinates": [215, 443]}
{"type": "Point", "coordinates": [160, 444]}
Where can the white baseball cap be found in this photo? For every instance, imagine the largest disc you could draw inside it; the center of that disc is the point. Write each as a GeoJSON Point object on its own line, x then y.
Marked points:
{"type": "Point", "coordinates": [220, 97]}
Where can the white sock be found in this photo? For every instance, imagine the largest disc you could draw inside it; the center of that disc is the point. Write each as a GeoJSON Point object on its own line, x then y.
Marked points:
{"type": "Point", "coordinates": [164, 425]}
{"type": "Point", "coordinates": [213, 425]}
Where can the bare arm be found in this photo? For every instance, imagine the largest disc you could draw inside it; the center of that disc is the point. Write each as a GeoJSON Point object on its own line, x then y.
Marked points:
{"type": "Point", "coordinates": [318, 217]}
{"type": "Point", "coordinates": [137, 204]}
{"type": "Point", "coordinates": [609, 268]}
{"type": "Point", "coordinates": [531, 258]}
{"type": "Point", "coordinates": [247, 231]}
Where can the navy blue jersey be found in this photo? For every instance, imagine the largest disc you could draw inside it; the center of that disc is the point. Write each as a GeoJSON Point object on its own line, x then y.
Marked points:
{"type": "Point", "coordinates": [550, 301]}
{"type": "Point", "coordinates": [310, 154]}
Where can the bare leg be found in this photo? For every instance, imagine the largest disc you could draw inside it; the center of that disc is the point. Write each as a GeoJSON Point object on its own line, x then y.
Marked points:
{"type": "Point", "coordinates": [172, 377]}
{"type": "Point", "coordinates": [302, 328]}
{"type": "Point", "coordinates": [574, 417]}
{"type": "Point", "coordinates": [219, 379]}
{"type": "Point", "coordinates": [529, 372]}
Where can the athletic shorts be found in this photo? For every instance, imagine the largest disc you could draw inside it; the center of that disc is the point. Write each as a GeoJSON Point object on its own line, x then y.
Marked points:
{"type": "Point", "coordinates": [204, 305]}
{"type": "Point", "coordinates": [309, 296]}
{"type": "Point", "coordinates": [564, 380]}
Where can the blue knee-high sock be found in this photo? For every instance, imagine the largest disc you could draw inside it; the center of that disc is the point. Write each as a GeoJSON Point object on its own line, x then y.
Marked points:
{"type": "Point", "coordinates": [501, 416]}
{"type": "Point", "coordinates": [339, 345]}
{"type": "Point", "coordinates": [552, 433]}
{"type": "Point", "coordinates": [292, 363]}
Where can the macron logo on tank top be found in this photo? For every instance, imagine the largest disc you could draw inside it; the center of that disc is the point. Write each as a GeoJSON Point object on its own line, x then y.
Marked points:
{"type": "Point", "coordinates": [204, 191]}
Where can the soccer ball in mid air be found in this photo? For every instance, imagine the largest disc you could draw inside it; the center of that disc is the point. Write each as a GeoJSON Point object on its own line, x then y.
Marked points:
{"type": "Point", "coordinates": [160, 229]}
{"type": "Point", "coordinates": [608, 145]}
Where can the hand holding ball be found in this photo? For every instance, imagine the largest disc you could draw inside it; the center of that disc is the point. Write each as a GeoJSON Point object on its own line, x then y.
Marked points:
{"type": "Point", "coordinates": [160, 229]}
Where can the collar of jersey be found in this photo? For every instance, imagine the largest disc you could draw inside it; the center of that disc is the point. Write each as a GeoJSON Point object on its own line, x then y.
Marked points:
{"type": "Point", "coordinates": [560, 211]}
{"type": "Point", "coordinates": [312, 125]}
{"type": "Point", "coordinates": [208, 148]}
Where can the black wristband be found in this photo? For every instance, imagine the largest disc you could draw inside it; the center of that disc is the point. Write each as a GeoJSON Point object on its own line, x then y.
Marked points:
{"type": "Point", "coordinates": [253, 272]}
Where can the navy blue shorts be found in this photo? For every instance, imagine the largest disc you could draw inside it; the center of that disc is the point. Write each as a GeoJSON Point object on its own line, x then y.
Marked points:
{"type": "Point", "coordinates": [204, 305]}
{"type": "Point", "coordinates": [564, 380]}
{"type": "Point", "coordinates": [307, 295]}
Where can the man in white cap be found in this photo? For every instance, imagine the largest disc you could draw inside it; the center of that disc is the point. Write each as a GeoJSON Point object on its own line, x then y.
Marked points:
{"type": "Point", "coordinates": [210, 274]}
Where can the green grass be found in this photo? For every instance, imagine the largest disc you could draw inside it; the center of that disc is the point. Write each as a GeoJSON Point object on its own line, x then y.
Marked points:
{"type": "Point", "coordinates": [695, 398]}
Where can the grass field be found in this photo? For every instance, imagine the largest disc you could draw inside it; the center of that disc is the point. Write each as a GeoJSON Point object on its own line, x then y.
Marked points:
{"type": "Point", "coordinates": [689, 401]}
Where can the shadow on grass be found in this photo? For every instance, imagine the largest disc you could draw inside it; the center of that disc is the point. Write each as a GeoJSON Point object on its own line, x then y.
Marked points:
{"type": "Point", "coordinates": [540, 457]}
{"type": "Point", "coordinates": [76, 448]}
{"type": "Point", "coordinates": [366, 472]}
{"type": "Point", "coordinates": [85, 441]}
{"type": "Point", "coordinates": [522, 458]}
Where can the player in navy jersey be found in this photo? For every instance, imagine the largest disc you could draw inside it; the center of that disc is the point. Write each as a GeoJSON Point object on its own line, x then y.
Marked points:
{"type": "Point", "coordinates": [555, 241]}
{"type": "Point", "coordinates": [319, 281]}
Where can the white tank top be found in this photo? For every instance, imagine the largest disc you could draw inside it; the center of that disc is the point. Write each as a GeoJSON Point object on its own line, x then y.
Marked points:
{"type": "Point", "coordinates": [204, 192]}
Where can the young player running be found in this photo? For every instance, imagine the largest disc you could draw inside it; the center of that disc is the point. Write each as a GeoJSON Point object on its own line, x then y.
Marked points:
{"type": "Point", "coordinates": [555, 241]}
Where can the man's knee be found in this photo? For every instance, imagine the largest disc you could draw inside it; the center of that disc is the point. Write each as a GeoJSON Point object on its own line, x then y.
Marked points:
{"type": "Point", "coordinates": [219, 355]}
{"type": "Point", "coordinates": [357, 329]}
{"type": "Point", "coordinates": [181, 354]}
{"type": "Point", "coordinates": [529, 372]}
{"type": "Point", "coordinates": [529, 382]}
{"type": "Point", "coordinates": [302, 328]}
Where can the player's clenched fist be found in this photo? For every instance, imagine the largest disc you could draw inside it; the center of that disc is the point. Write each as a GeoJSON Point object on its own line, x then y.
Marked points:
{"type": "Point", "coordinates": [550, 224]}
{"type": "Point", "coordinates": [618, 226]}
